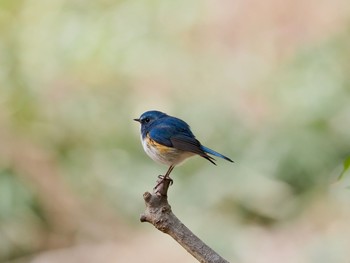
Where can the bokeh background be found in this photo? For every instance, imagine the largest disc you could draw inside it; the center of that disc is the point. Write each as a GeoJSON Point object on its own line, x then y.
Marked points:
{"type": "Point", "coordinates": [267, 83]}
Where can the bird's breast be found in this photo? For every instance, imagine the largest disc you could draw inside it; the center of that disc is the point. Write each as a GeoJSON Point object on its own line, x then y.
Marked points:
{"type": "Point", "coordinates": [162, 153]}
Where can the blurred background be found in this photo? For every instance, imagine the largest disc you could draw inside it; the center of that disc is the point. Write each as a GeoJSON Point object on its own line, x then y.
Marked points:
{"type": "Point", "coordinates": [263, 82]}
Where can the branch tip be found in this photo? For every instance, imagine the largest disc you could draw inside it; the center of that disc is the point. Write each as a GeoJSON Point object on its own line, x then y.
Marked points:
{"type": "Point", "coordinates": [143, 218]}
{"type": "Point", "coordinates": [147, 196]}
{"type": "Point", "coordinates": [158, 213]}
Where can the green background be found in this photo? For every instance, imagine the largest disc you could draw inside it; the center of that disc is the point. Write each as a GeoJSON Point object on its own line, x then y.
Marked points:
{"type": "Point", "coordinates": [263, 82]}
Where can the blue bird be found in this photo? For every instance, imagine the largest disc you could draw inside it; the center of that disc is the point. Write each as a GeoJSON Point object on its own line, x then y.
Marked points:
{"type": "Point", "coordinates": [170, 141]}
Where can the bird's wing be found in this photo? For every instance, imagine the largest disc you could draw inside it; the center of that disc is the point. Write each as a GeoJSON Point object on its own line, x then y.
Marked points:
{"type": "Point", "coordinates": [161, 135]}
{"type": "Point", "coordinates": [186, 143]}
{"type": "Point", "coordinates": [176, 133]}
{"type": "Point", "coordinates": [163, 130]}
{"type": "Point", "coordinates": [190, 144]}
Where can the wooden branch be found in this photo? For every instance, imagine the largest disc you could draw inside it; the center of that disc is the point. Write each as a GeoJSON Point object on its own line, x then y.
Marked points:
{"type": "Point", "coordinates": [158, 213]}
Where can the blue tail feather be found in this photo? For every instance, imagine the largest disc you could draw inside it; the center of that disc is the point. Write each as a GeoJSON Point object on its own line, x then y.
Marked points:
{"type": "Point", "coordinates": [212, 152]}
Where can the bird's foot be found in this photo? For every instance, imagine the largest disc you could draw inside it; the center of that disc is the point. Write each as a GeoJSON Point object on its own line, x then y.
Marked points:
{"type": "Point", "coordinates": [163, 178]}
{"type": "Point", "coordinates": [163, 183]}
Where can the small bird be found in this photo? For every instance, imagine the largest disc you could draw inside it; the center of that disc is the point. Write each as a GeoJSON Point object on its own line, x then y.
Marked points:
{"type": "Point", "coordinates": [170, 141]}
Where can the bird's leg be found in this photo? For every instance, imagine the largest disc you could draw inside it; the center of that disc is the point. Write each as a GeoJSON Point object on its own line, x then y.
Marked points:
{"type": "Point", "coordinates": [166, 176]}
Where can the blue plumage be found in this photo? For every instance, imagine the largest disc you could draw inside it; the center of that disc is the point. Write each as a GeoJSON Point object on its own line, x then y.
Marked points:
{"type": "Point", "coordinates": [169, 140]}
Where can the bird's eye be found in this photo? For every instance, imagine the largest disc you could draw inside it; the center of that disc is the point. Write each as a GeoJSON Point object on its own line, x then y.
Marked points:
{"type": "Point", "coordinates": [147, 120]}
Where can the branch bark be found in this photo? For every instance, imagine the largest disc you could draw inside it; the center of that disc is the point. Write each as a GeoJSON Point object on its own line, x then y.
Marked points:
{"type": "Point", "coordinates": [158, 213]}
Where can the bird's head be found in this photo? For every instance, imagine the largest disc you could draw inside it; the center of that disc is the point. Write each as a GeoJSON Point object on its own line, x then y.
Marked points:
{"type": "Point", "coordinates": [148, 117]}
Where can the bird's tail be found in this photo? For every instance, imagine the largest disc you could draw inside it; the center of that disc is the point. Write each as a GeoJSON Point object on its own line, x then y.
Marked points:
{"type": "Point", "coordinates": [212, 152]}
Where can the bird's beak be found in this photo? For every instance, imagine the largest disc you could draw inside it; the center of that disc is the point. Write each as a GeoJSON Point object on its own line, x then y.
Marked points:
{"type": "Point", "coordinates": [137, 120]}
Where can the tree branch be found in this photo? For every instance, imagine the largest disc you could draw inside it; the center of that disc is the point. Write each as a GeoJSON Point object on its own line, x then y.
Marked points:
{"type": "Point", "coordinates": [158, 213]}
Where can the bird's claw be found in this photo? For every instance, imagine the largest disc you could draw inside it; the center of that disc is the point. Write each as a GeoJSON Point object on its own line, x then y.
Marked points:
{"type": "Point", "coordinates": [163, 178]}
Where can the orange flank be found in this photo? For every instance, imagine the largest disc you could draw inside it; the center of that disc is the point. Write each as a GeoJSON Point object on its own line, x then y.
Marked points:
{"type": "Point", "coordinates": [160, 148]}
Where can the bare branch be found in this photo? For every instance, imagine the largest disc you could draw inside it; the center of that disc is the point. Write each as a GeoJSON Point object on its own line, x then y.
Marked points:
{"type": "Point", "coordinates": [158, 213]}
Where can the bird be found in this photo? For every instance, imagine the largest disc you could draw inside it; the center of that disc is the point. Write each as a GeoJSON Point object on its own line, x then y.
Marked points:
{"type": "Point", "coordinates": [169, 140]}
